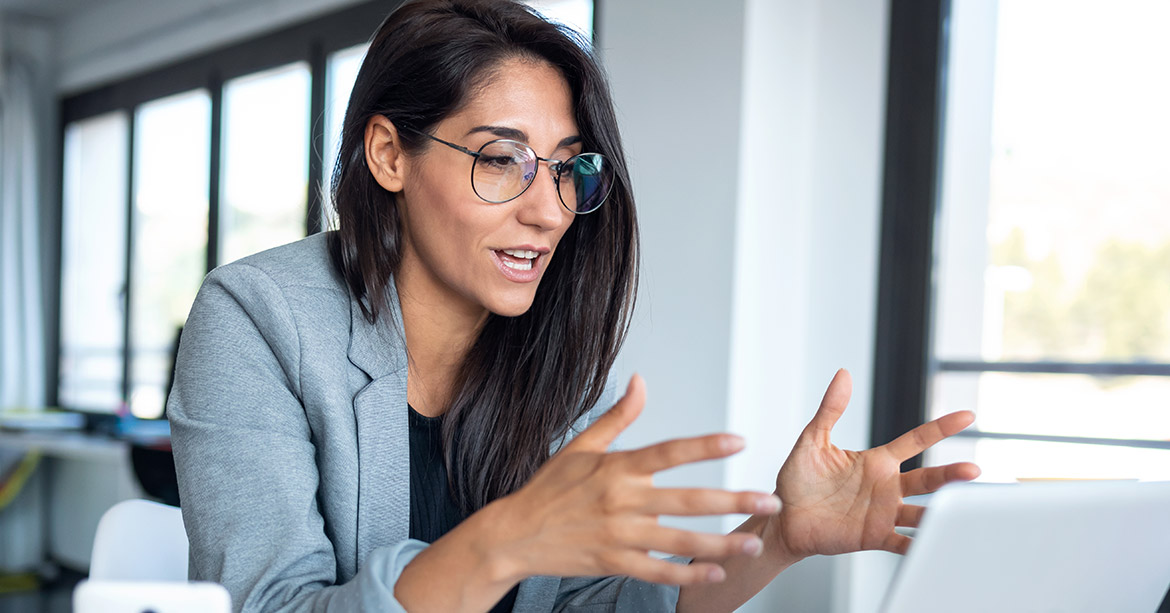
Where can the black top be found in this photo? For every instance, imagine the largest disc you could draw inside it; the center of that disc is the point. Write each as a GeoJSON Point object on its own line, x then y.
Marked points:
{"type": "Point", "coordinates": [433, 511]}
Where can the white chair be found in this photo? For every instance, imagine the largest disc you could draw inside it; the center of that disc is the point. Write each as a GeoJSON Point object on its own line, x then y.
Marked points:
{"type": "Point", "coordinates": [140, 540]}
{"type": "Point", "coordinates": [139, 563]}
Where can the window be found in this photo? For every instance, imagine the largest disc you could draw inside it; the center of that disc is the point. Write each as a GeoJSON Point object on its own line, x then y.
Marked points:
{"type": "Point", "coordinates": [1042, 273]}
{"type": "Point", "coordinates": [171, 173]}
{"type": "Point", "coordinates": [343, 69]}
{"type": "Point", "coordinates": [169, 229]}
{"type": "Point", "coordinates": [265, 168]}
{"type": "Point", "coordinates": [93, 261]}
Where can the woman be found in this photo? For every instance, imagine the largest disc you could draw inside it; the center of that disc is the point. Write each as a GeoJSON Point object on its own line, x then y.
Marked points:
{"type": "Point", "coordinates": [410, 412]}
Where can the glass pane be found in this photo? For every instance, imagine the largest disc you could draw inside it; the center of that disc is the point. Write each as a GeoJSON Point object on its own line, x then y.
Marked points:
{"type": "Point", "coordinates": [1058, 405]}
{"type": "Point", "coordinates": [1055, 231]}
{"type": "Point", "coordinates": [171, 177]}
{"type": "Point", "coordinates": [343, 69]}
{"type": "Point", "coordinates": [265, 161]}
{"type": "Point", "coordinates": [93, 263]}
{"type": "Point", "coordinates": [1005, 461]}
{"type": "Point", "coordinates": [577, 14]}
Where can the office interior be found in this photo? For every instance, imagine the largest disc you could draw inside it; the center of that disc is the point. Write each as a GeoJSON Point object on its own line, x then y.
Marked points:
{"type": "Point", "coordinates": [962, 202]}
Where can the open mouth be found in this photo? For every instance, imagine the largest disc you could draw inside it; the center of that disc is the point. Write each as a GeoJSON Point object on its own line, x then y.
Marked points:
{"type": "Point", "coordinates": [517, 259]}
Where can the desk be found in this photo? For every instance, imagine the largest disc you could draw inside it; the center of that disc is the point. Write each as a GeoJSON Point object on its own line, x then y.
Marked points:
{"type": "Point", "coordinates": [80, 476]}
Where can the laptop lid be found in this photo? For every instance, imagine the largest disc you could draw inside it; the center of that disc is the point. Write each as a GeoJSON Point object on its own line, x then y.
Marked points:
{"type": "Point", "coordinates": [150, 597]}
{"type": "Point", "coordinates": [1051, 547]}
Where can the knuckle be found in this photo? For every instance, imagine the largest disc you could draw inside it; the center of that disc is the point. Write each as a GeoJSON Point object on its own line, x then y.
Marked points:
{"type": "Point", "coordinates": [678, 543]}
{"type": "Point", "coordinates": [610, 464]}
{"type": "Point", "coordinates": [613, 500]}
{"type": "Point", "coordinates": [666, 455]}
{"type": "Point", "coordinates": [608, 561]}
{"type": "Point", "coordinates": [691, 503]}
{"type": "Point", "coordinates": [732, 546]}
{"type": "Point", "coordinates": [747, 502]}
{"type": "Point", "coordinates": [663, 572]}
{"type": "Point", "coordinates": [614, 531]}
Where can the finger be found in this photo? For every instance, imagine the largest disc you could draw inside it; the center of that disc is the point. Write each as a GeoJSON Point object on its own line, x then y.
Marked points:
{"type": "Point", "coordinates": [699, 501]}
{"type": "Point", "coordinates": [641, 566]}
{"type": "Point", "coordinates": [833, 404]}
{"type": "Point", "coordinates": [697, 544]}
{"type": "Point", "coordinates": [910, 515]}
{"type": "Point", "coordinates": [926, 480]}
{"type": "Point", "coordinates": [919, 439]}
{"type": "Point", "coordinates": [897, 543]}
{"type": "Point", "coordinates": [601, 434]}
{"type": "Point", "coordinates": [668, 454]}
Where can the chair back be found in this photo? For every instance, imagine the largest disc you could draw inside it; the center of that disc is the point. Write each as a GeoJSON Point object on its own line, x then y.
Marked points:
{"type": "Point", "coordinates": [140, 540]}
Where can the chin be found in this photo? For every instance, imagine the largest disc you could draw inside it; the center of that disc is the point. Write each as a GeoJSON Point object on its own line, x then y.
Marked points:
{"type": "Point", "coordinates": [511, 306]}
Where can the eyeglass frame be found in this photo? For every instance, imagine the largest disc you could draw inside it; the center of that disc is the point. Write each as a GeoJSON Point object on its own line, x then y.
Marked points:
{"type": "Point", "coordinates": [559, 164]}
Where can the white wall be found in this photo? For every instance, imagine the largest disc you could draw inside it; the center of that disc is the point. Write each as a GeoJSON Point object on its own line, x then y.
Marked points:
{"type": "Point", "coordinates": [755, 129]}
{"type": "Point", "coordinates": [674, 67]}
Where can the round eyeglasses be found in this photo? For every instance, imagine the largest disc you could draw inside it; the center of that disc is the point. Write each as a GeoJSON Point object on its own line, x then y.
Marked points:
{"type": "Point", "coordinates": [504, 168]}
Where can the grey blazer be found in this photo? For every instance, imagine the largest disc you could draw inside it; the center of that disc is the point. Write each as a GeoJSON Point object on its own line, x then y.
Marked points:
{"type": "Point", "coordinates": [289, 425]}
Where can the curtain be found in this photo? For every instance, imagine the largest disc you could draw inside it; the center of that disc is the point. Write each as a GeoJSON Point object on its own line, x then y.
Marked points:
{"type": "Point", "coordinates": [22, 325]}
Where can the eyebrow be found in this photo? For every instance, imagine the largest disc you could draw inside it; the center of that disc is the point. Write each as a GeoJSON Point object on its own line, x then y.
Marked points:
{"type": "Point", "coordinates": [519, 135]}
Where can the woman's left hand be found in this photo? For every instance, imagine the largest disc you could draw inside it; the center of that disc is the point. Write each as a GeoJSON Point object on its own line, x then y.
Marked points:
{"type": "Point", "coordinates": [836, 501]}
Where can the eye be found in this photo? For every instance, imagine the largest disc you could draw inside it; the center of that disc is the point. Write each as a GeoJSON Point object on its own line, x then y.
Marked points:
{"type": "Point", "coordinates": [499, 162]}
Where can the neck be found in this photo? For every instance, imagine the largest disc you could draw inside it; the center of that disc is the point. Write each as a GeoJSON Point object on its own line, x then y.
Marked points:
{"type": "Point", "coordinates": [440, 330]}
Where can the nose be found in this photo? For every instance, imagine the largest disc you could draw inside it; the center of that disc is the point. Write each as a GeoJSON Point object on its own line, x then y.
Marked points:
{"type": "Point", "coordinates": [540, 205]}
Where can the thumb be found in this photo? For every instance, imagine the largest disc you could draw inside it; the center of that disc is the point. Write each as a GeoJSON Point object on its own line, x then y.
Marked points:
{"type": "Point", "coordinates": [601, 434]}
{"type": "Point", "coordinates": [832, 405]}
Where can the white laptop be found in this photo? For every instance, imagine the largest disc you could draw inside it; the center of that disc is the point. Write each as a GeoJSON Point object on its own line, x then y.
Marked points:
{"type": "Point", "coordinates": [150, 597]}
{"type": "Point", "coordinates": [1060, 547]}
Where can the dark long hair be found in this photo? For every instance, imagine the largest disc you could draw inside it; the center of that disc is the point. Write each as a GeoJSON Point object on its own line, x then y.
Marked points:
{"type": "Point", "coordinates": [525, 379]}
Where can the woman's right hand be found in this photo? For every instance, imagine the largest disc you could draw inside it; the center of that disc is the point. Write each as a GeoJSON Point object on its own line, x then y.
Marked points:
{"type": "Point", "coordinates": [590, 512]}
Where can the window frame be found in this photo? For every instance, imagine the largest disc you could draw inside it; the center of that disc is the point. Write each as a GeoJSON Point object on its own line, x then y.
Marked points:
{"type": "Point", "coordinates": [904, 362]}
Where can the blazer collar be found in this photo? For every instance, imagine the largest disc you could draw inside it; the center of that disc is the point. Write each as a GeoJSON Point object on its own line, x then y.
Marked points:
{"type": "Point", "coordinates": [378, 348]}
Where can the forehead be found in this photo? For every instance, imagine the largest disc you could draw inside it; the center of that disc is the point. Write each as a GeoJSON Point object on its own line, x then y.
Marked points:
{"type": "Point", "coordinates": [523, 94]}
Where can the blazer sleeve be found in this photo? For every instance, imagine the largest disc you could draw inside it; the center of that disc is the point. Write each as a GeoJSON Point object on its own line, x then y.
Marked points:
{"type": "Point", "coordinates": [246, 463]}
{"type": "Point", "coordinates": [615, 594]}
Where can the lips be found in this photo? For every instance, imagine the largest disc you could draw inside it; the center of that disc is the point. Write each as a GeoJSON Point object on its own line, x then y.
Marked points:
{"type": "Point", "coordinates": [520, 264]}
{"type": "Point", "coordinates": [518, 259]}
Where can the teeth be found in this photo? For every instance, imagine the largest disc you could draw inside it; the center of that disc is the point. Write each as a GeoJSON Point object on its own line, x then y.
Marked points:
{"type": "Point", "coordinates": [521, 253]}
{"type": "Point", "coordinates": [525, 266]}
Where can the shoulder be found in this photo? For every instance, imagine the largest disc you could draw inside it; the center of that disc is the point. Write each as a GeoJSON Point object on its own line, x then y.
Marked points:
{"type": "Point", "coordinates": [304, 263]}
{"type": "Point", "coordinates": [284, 303]}
{"type": "Point", "coordinates": [280, 292]}
{"type": "Point", "coordinates": [297, 276]}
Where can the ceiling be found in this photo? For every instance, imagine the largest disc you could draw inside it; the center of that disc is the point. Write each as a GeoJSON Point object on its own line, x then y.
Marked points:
{"type": "Point", "coordinates": [49, 9]}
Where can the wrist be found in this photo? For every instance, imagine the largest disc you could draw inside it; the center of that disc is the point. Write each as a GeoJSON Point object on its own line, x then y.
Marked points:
{"type": "Point", "coordinates": [776, 548]}
{"type": "Point", "coordinates": [497, 551]}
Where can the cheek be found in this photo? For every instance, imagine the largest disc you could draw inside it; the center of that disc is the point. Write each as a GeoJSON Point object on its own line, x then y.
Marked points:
{"type": "Point", "coordinates": [448, 232]}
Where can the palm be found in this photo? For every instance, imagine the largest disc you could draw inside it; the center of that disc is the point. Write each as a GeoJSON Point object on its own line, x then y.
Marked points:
{"type": "Point", "coordinates": [837, 501]}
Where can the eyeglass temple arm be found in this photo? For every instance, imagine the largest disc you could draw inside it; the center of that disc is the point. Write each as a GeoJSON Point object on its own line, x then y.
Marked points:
{"type": "Point", "coordinates": [439, 140]}
{"type": "Point", "coordinates": [554, 165]}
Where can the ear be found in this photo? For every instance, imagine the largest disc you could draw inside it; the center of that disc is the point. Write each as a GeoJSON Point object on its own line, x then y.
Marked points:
{"type": "Point", "coordinates": [384, 154]}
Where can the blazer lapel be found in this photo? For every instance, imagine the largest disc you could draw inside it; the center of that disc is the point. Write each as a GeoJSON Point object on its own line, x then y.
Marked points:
{"type": "Point", "coordinates": [379, 350]}
{"type": "Point", "coordinates": [383, 434]}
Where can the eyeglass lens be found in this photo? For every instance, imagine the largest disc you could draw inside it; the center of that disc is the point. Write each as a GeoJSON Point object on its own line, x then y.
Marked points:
{"type": "Point", "coordinates": [504, 169]}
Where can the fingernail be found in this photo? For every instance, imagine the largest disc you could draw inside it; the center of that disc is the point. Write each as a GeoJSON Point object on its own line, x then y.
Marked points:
{"type": "Point", "coordinates": [768, 506]}
{"type": "Point", "coordinates": [753, 546]}
{"type": "Point", "coordinates": [716, 574]}
{"type": "Point", "coordinates": [733, 442]}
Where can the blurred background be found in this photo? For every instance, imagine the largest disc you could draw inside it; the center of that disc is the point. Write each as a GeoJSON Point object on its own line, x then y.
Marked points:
{"type": "Point", "coordinates": [964, 202]}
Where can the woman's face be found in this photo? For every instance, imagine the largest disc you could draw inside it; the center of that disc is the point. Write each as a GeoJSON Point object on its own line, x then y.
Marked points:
{"type": "Point", "coordinates": [462, 251]}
